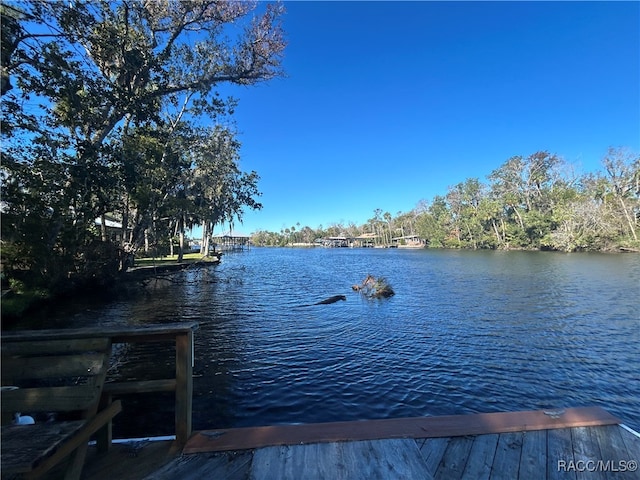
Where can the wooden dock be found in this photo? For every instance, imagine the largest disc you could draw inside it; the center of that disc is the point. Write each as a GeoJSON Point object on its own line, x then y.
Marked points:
{"type": "Point", "coordinates": [171, 267]}
{"type": "Point", "coordinates": [576, 443]}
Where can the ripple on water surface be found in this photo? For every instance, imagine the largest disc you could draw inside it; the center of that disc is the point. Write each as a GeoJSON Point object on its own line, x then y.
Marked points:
{"type": "Point", "coordinates": [465, 332]}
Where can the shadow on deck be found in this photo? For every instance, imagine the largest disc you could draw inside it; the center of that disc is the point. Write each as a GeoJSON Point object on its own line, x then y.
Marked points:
{"type": "Point", "coordinates": [573, 443]}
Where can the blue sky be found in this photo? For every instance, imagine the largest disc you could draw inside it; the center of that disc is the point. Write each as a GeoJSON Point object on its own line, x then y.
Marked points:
{"type": "Point", "coordinates": [388, 103]}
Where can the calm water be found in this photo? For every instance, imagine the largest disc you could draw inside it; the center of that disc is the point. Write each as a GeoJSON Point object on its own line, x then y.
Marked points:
{"type": "Point", "coordinates": [466, 332]}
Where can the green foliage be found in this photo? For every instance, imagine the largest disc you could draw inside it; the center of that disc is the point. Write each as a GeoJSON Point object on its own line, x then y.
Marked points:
{"type": "Point", "coordinates": [100, 106]}
{"type": "Point", "coordinates": [16, 304]}
{"type": "Point", "coordinates": [374, 287]}
{"type": "Point", "coordinates": [532, 202]}
{"type": "Point", "coordinates": [17, 286]}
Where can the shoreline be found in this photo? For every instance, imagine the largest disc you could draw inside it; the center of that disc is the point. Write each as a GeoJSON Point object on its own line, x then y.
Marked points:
{"type": "Point", "coordinates": [17, 307]}
{"type": "Point", "coordinates": [615, 250]}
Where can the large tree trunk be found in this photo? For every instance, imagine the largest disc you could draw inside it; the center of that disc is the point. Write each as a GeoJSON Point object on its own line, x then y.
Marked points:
{"type": "Point", "coordinates": [204, 245]}
{"type": "Point", "coordinates": [181, 239]}
{"type": "Point", "coordinates": [146, 241]}
{"type": "Point", "coordinates": [629, 219]}
{"type": "Point", "coordinates": [473, 240]}
{"type": "Point", "coordinates": [103, 228]}
{"type": "Point", "coordinates": [519, 216]}
{"type": "Point", "coordinates": [495, 229]}
{"type": "Point", "coordinates": [125, 220]}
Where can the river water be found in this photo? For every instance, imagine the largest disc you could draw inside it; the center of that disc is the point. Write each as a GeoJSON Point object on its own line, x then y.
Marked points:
{"type": "Point", "coordinates": [467, 331]}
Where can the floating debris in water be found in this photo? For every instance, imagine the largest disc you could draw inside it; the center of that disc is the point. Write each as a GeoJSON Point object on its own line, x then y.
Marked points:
{"type": "Point", "coordinates": [373, 287]}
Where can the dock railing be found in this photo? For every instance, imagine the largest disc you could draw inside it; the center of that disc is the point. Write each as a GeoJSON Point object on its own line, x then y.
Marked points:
{"type": "Point", "coordinates": [181, 384]}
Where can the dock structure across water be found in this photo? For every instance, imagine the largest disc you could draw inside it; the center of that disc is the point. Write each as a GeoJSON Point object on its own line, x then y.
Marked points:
{"type": "Point", "coordinates": [572, 443]}
{"type": "Point", "coordinates": [231, 241]}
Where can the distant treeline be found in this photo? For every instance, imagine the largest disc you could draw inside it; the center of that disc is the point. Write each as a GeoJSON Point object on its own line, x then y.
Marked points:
{"type": "Point", "coordinates": [535, 202]}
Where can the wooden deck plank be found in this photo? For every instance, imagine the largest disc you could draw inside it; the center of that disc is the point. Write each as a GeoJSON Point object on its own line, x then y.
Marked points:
{"type": "Point", "coordinates": [283, 461]}
{"type": "Point", "coordinates": [379, 459]}
{"type": "Point", "coordinates": [24, 446]}
{"type": "Point", "coordinates": [632, 442]}
{"type": "Point", "coordinates": [223, 465]}
{"type": "Point", "coordinates": [506, 462]}
{"type": "Point", "coordinates": [125, 461]}
{"type": "Point", "coordinates": [535, 462]}
{"type": "Point", "coordinates": [586, 449]}
{"type": "Point", "coordinates": [454, 460]}
{"type": "Point", "coordinates": [416, 427]}
{"type": "Point", "coordinates": [560, 455]}
{"type": "Point", "coordinates": [533, 458]}
{"type": "Point", "coordinates": [613, 449]}
{"type": "Point", "coordinates": [432, 450]}
{"type": "Point", "coordinates": [481, 457]}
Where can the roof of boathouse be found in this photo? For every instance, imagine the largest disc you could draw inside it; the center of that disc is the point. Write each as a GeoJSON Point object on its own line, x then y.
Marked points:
{"type": "Point", "coordinates": [231, 234]}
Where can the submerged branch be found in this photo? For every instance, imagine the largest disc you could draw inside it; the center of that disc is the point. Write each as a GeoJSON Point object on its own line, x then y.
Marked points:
{"type": "Point", "coordinates": [373, 287]}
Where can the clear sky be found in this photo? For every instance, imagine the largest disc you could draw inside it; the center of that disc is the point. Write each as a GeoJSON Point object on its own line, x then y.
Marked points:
{"type": "Point", "coordinates": [388, 103]}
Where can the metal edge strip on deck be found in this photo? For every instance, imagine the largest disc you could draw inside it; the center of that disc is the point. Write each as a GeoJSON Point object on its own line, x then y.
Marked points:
{"type": "Point", "coordinates": [414, 427]}
{"type": "Point", "coordinates": [630, 430]}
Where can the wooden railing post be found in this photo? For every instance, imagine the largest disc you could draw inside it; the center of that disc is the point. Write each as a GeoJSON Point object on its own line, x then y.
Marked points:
{"type": "Point", "coordinates": [184, 386]}
{"type": "Point", "coordinates": [104, 436]}
{"type": "Point", "coordinates": [182, 333]}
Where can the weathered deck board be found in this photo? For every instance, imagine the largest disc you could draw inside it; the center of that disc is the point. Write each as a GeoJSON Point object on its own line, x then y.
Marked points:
{"type": "Point", "coordinates": [612, 449]}
{"type": "Point", "coordinates": [432, 450]}
{"type": "Point", "coordinates": [585, 448]}
{"type": "Point", "coordinates": [379, 459]}
{"type": "Point", "coordinates": [506, 462]}
{"type": "Point", "coordinates": [128, 461]}
{"type": "Point", "coordinates": [559, 449]}
{"type": "Point", "coordinates": [29, 444]}
{"type": "Point", "coordinates": [632, 442]}
{"type": "Point", "coordinates": [455, 458]}
{"type": "Point", "coordinates": [533, 456]}
{"type": "Point", "coordinates": [227, 466]}
{"type": "Point", "coordinates": [529, 455]}
{"type": "Point", "coordinates": [416, 427]}
{"type": "Point", "coordinates": [481, 457]}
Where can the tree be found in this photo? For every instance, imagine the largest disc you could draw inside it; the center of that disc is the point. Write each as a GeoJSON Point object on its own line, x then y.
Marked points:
{"type": "Point", "coordinates": [11, 33]}
{"type": "Point", "coordinates": [534, 202]}
{"type": "Point", "coordinates": [464, 200]}
{"type": "Point", "coordinates": [491, 215]}
{"type": "Point", "coordinates": [583, 224]}
{"type": "Point", "coordinates": [434, 223]}
{"type": "Point", "coordinates": [97, 76]}
{"type": "Point", "coordinates": [387, 218]}
{"type": "Point", "coordinates": [116, 60]}
{"type": "Point", "coordinates": [524, 186]}
{"type": "Point", "coordinates": [219, 189]}
{"type": "Point", "coordinates": [623, 173]}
